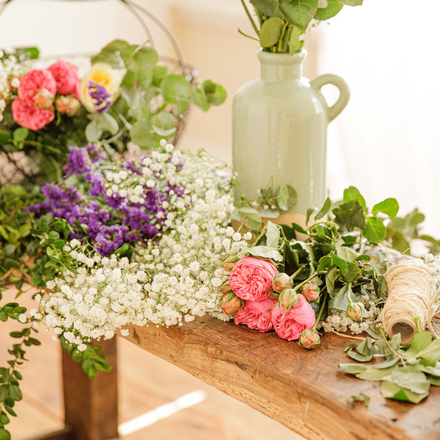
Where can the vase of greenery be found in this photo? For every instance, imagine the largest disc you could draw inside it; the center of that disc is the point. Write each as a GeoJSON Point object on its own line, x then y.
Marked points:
{"type": "Point", "coordinates": [280, 119]}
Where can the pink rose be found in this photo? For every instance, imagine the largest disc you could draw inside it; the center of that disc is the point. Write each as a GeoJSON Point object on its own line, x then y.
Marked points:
{"type": "Point", "coordinates": [256, 315]}
{"type": "Point", "coordinates": [229, 263]}
{"type": "Point", "coordinates": [311, 291]}
{"type": "Point", "coordinates": [34, 81]}
{"type": "Point", "coordinates": [66, 77]}
{"type": "Point", "coordinates": [310, 339]}
{"type": "Point", "coordinates": [43, 99]}
{"type": "Point", "coordinates": [29, 116]}
{"type": "Point", "coordinates": [281, 281]}
{"type": "Point", "coordinates": [251, 278]}
{"type": "Point", "coordinates": [67, 104]}
{"type": "Point", "coordinates": [355, 312]}
{"type": "Point", "coordinates": [231, 304]}
{"type": "Point", "coordinates": [289, 325]}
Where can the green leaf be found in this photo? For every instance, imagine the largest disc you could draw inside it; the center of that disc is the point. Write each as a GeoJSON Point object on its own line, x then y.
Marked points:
{"type": "Point", "coordinates": [420, 341]}
{"type": "Point", "coordinates": [333, 8]}
{"type": "Point", "coordinates": [353, 368]}
{"type": "Point", "coordinates": [9, 249]}
{"type": "Point", "coordinates": [272, 235]}
{"type": "Point", "coordinates": [20, 134]}
{"type": "Point", "coordinates": [10, 411]}
{"type": "Point", "coordinates": [93, 131]}
{"type": "Point", "coordinates": [330, 280]}
{"type": "Point", "coordinates": [43, 224]}
{"type": "Point", "coordinates": [215, 93]}
{"type": "Point", "coordinates": [375, 230]}
{"type": "Point", "coordinates": [115, 45]}
{"type": "Point", "coordinates": [359, 357]}
{"type": "Point", "coordinates": [340, 300]}
{"type": "Point", "coordinates": [299, 12]}
{"type": "Point", "coordinates": [346, 253]}
{"type": "Point", "coordinates": [411, 379]}
{"type": "Point", "coordinates": [432, 352]}
{"type": "Point", "coordinates": [270, 31]}
{"type": "Point", "coordinates": [163, 124]}
{"type": "Point", "coordinates": [324, 210]}
{"type": "Point", "coordinates": [374, 374]}
{"type": "Point", "coordinates": [352, 193]}
{"type": "Point", "coordinates": [361, 398]}
{"type": "Point", "coordinates": [198, 97]}
{"type": "Point", "coordinates": [295, 44]}
{"type": "Point", "coordinates": [286, 197]}
{"type": "Point", "coordinates": [353, 272]}
{"type": "Point", "coordinates": [5, 137]}
{"type": "Point", "coordinates": [176, 89]}
{"type": "Point", "coordinates": [141, 133]}
{"type": "Point", "coordinates": [268, 7]}
{"type": "Point", "coordinates": [353, 2]}
{"type": "Point", "coordinates": [390, 390]}
{"type": "Point", "coordinates": [4, 434]}
{"type": "Point", "coordinates": [159, 73]}
{"type": "Point", "coordinates": [250, 217]}
{"type": "Point", "coordinates": [350, 215]}
{"type": "Point", "coordinates": [386, 364]}
{"type": "Point", "coordinates": [89, 368]}
{"type": "Point", "coordinates": [144, 77]}
{"type": "Point", "coordinates": [389, 207]}
{"type": "Point", "coordinates": [264, 252]}
{"type": "Point", "coordinates": [142, 58]}
{"type": "Point", "coordinates": [107, 122]}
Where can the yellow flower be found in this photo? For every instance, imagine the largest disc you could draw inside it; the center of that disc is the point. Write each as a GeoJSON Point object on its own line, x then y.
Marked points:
{"type": "Point", "coordinates": [104, 75]}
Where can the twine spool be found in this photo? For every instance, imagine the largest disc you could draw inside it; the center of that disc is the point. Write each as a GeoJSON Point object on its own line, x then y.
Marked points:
{"type": "Point", "coordinates": [410, 294]}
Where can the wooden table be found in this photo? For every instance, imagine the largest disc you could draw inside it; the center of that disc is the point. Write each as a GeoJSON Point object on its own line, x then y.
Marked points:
{"type": "Point", "coordinates": [304, 390]}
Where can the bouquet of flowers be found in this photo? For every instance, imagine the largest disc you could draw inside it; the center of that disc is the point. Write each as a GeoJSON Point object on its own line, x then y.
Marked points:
{"type": "Point", "coordinates": [125, 96]}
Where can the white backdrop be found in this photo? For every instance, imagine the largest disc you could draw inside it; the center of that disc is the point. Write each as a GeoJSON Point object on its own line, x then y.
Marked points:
{"type": "Point", "coordinates": [386, 142]}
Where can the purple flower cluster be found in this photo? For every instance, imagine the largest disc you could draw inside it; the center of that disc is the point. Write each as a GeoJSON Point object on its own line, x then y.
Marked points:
{"type": "Point", "coordinates": [107, 229]}
{"type": "Point", "coordinates": [80, 161]}
{"type": "Point", "coordinates": [102, 99]}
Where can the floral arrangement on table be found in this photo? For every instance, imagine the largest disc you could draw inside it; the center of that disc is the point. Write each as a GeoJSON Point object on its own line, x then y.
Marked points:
{"type": "Point", "coordinates": [125, 96]}
{"type": "Point", "coordinates": [283, 22]}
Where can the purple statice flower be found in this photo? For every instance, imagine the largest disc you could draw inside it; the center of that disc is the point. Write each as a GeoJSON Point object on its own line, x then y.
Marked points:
{"type": "Point", "coordinates": [115, 201]}
{"type": "Point", "coordinates": [98, 188]}
{"type": "Point", "coordinates": [138, 220]}
{"type": "Point", "coordinates": [109, 238]}
{"type": "Point", "coordinates": [102, 99]}
{"type": "Point", "coordinates": [78, 162]}
{"type": "Point", "coordinates": [128, 165]}
{"type": "Point", "coordinates": [95, 153]}
{"type": "Point", "coordinates": [60, 196]}
{"type": "Point", "coordinates": [39, 209]}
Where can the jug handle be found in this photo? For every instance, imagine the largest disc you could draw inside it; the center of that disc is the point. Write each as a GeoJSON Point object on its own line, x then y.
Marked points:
{"type": "Point", "coordinates": [344, 92]}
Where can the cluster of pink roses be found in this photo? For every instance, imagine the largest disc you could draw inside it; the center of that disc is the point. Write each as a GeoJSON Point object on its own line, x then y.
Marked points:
{"type": "Point", "coordinates": [40, 91]}
{"type": "Point", "coordinates": [263, 299]}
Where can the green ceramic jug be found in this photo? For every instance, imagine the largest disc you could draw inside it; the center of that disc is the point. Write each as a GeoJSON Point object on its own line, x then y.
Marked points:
{"type": "Point", "coordinates": [280, 129]}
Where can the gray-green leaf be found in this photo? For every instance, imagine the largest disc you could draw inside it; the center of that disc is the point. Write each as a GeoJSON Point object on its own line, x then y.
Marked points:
{"type": "Point", "coordinates": [272, 235]}
{"type": "Point", "coordinates": [271, 31]}
{"type": "Point", "coordinates": [299, 12]}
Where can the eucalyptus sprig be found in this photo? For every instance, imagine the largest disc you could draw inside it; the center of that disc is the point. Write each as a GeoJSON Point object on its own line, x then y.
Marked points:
{"type": "Point", "coordinates": [281, 23]}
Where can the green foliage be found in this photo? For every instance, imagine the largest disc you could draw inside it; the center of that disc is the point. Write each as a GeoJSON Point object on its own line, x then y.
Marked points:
{"type": "Point", "coordinates": [407, 372]}
{"type": "Point", "coordinates": [282, 22]}
{"type": "Point", "coordinates": [91, 360]}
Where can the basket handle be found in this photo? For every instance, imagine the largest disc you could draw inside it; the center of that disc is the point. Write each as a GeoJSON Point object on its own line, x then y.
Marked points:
{"type": "Point", "coordinates": [134, 8]}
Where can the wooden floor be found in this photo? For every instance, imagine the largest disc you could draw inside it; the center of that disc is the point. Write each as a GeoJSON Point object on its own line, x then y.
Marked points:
{"type": "Point", "coordinates": [145, 383]}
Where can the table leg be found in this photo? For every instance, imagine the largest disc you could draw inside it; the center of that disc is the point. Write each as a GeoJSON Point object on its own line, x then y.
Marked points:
{"type": "Point", "coordinates": [91, 406]}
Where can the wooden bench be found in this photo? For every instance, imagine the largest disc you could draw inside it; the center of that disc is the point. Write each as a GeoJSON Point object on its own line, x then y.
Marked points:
{"type": "Point", "coordinates": [304, 390]}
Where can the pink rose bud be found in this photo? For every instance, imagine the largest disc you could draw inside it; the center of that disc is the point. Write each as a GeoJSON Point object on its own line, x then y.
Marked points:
{"type": "Point", "coordinates": [281, 281]}
{"type": "Point", "coordinates": [231, 304]}
{"type": "Point", "coordinates": [311, 291]}
{"type": "Point", "coordinates": [226, 288]}
{"type": "Point", "coordinates": [355, 312]}
{"type": "Point", "coordinates": [67, 104]}
{"type": "Point", "coordinates": [43, 99]}
{"type": "Point", "coordinates": [309, 339]}
{"type": "Point", "coordinates": [229, 263]}
{"type": "Point", "coordinates": [288, 298]}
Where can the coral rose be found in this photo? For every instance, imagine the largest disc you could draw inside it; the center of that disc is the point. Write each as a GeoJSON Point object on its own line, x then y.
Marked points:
{"type": "Point", "coordinates": [311, 291]}
{"type": "Point", "coordinates": [281, 281]}
{"type": "Point", "coordinates": [231, 304]}
{"type": "Point", "coordinates": [251, 278]}
{"type": "Point", "coordinates": [310, 339]}
{"type": "Point", "coordinates": [289, 325]}
{"type": "Point", "coordinates": [29, 116]}
{"type": "Point", "coordinates": [33, 82]}
{"type": "Point", "coordinates": [66, 78]}
{"type": "Point", "coordinates": [67, 104]}
{"type": "Point", "coordinates": [256, 315]}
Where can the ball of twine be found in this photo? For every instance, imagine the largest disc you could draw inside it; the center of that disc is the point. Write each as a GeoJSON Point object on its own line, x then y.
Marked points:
{"type": "Point", "coordinates": [410, 293]}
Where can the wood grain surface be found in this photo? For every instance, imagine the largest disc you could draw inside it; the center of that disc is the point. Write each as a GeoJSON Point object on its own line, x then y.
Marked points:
{"type": "Point", "coordinates": [304, 390]}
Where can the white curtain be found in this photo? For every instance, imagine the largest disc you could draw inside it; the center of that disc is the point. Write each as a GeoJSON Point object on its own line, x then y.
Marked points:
{"type": "Point", "coordinates": [387, 140]}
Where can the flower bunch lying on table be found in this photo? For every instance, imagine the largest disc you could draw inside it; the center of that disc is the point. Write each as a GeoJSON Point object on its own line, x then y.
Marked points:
{"type": "Point", "coordinates": [333, 281]}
